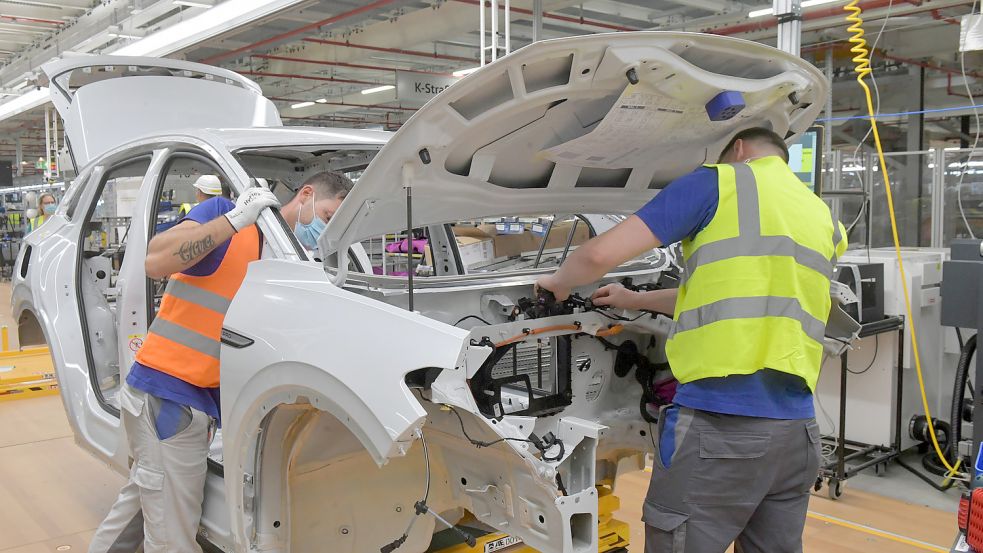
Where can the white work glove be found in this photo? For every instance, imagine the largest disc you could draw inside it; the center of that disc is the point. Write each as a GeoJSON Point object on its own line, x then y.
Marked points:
{"type": "Point", "coordinates": [248, 207]}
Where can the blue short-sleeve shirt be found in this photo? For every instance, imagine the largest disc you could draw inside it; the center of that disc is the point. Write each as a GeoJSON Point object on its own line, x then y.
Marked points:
{"type": "Point", "coordinates": [168, 387]}
{"type": "Point", "coordinates": [681, 210]}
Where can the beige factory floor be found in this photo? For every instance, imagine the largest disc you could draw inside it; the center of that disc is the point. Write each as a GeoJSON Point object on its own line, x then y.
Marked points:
{"type": "Point", "coordinates": [53, 494]}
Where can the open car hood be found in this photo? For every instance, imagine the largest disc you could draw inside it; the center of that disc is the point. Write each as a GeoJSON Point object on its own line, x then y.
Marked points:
{"type": "Point", "coordinates": [107, 101]}
{"type": "Point", "coordinates": [557, 127]}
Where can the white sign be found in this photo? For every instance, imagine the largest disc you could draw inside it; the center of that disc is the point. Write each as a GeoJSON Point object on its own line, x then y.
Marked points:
{"type": "Point", "coordinates": [420, 87]}
{"type": "Point", "coordinates": [501, 543]}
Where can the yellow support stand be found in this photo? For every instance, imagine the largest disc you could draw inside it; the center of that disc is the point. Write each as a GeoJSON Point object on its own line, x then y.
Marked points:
{"type": "Point", "coordinates": [613, 534]}
{"type": "Point", "coordinates": [25, 373]}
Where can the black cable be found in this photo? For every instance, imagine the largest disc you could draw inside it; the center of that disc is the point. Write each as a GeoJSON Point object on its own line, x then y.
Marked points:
{"type": "Point", "coordinates": [466, 317]}
{"type": "Point", "coordinates": [480, 443]}
{"type": "Point", "coordinates": [872, 359]}
{"type": "Point", "coordinates": [959, 336]}
{"type": "Point", "coordinates": [426, 456]}
{"type": "Point", "coordinates": [542, 445]}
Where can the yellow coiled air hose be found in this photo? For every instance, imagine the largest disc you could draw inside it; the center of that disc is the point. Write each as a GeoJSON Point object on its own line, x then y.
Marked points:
{"type": "Point", "coordinates": [861, 61]}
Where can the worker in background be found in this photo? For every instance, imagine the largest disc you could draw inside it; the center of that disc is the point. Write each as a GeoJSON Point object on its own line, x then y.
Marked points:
{"type": "Point", "coordinates": [170, 400]}
{"type": "Point", "coordinates": [739, 448]}
{"type": "Point", "coordinates": [206, 186]}
{"type": "Point", "coordinates": [46, 208]}
{"type": "Point", "coordinates": [314, 204]}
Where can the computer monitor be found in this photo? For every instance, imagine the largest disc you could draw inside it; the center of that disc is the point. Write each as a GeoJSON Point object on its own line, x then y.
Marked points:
{"type": "Point", "coordinates": [805, 157]}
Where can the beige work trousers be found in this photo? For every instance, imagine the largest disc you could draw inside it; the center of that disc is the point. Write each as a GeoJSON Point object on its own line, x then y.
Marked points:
{"type": "Point", "coordinates": [160, 506]}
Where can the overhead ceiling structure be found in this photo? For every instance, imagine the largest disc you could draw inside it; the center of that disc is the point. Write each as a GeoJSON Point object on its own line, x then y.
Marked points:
{"type": "Point", "coordinates": [337, 62]}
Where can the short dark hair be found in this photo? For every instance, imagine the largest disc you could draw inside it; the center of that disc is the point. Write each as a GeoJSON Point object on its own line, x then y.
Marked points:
{"type": "Point", "coordinates": [758, 134]}
{"type": "Point", "coordinates": [328, 184]}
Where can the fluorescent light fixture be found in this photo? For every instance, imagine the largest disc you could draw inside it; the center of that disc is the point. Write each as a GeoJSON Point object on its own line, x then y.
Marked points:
{"type": "Point", "coordinates": [463, 72]}
{"type": "Point", "coordinates": [811, 3]}
{"type": "Point", "coordinates": [123, 35]}
{"type": "Point", "coordinates": [23, 103]}
{"type": "Point", "coordinates": [378, 89]}
{"type": "Point", "coordinates": [302, 105]}
{"type": "Point", "coordinates": [322, 100]}
{"type": "Point", "coordinates": [760, 13]}
{"type": "Point", "coordinates": [229, 14]}
{"type": "Point", "coordinates": [190, 4]}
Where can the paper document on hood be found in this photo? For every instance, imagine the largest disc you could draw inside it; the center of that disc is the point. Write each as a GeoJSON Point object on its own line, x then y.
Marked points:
{"type": "Point", "coordinates": [623, 138]}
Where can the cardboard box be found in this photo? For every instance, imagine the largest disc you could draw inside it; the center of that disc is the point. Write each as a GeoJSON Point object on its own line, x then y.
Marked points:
{"type": "Point", "coordinates": [512, 245]}
{"type": "Point", "coordinates": [475, 250]}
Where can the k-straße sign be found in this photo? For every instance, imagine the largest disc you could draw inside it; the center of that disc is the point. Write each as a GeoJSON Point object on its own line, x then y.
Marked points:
{"type": "Point", "coordinates": [420, 87]}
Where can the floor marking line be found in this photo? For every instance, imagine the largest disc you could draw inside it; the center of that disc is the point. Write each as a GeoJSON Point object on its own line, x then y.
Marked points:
{"type": "Point", "coordinates": [877, 532]}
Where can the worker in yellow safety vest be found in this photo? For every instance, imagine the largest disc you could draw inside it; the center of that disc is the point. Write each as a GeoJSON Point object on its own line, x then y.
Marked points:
{"type": "Point", "coordinates": [738, 448]}
{"type": "Point", "coordinates": [169, 403]}
{"type": "Point", "coordinates": [46, 208]}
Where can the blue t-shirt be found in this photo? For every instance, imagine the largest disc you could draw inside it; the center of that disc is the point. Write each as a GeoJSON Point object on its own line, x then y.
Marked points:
{"type": "Point", "coordinates": [163, 385]}
{"type": "Point", "coordinates": [679, 211]}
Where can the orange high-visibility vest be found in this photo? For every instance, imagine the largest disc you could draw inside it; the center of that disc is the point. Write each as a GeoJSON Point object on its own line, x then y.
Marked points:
{"type": "Point", "coordinates": [185, 339]}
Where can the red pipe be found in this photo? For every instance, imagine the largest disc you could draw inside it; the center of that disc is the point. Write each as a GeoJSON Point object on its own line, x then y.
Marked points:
{"type": "Point", "coordinates": [370, 106]}
{"type": "Point", "coordinates": [305, 77]}
{"type": "Point", "coordinates": [340, 119]}
{"type": "Point", "coordinates": [349, 65]}
{"type": "Point", "coordinates": [17, 18]}
{"type": "Point", "coordinates": [937, 15]}
{"type": "Point", "coordinates": [310, 27]}
{"type": "Point", "coordinates": [558, 17]}
{"type": "Point", "coordinates": [390, 50]}
{"type": "Point", "coordinates": [930, 66]}
{"type": "Point", "coordinates": [835, 11]}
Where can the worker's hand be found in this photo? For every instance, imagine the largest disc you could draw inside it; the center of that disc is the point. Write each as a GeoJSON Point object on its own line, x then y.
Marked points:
{"type": "Point", "coordinates": [550, 283]}
{"type": "Point", "coordinates": [248, 207]}
{"type": "Point", "coordinates": [617, 296]}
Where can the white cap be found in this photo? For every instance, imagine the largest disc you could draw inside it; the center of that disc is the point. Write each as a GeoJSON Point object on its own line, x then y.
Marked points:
{"type": "Point", "coordinates": [209, 184]}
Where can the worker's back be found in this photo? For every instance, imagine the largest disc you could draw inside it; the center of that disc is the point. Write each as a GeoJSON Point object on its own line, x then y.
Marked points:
{"type": "Point", "coordinates": [756, 289]}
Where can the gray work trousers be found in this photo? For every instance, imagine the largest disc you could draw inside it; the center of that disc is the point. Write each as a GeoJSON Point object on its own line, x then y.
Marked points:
{"type": "Point", "coordinates": [732, 479]}
{"type": "Point", "coordinates": [160, 506]}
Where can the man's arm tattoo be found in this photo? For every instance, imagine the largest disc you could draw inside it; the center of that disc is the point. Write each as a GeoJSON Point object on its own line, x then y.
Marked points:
{"type": "Point", "coordinates": [194, 249]}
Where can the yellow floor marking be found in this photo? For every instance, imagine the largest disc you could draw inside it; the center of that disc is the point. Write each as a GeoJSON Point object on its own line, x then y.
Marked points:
{"type": "Point", "coordinates": [879, 533]}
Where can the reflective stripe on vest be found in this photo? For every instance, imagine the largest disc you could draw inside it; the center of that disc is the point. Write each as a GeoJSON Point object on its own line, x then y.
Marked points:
{"type": "Point", "coordinates": [184, 340]}
{"type": "Point", "coordinates": [756, 331]}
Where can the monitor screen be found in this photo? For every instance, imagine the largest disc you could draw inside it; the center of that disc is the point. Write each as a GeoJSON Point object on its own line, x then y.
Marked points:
{"type": "Point", "coordinates": [805, 158]}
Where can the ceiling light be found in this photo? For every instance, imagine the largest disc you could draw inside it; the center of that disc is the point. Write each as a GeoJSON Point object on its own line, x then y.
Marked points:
{"type": "Point", "coordinates": [463, 72]}
{"type": "Point", "coordinates": [811, 3]}
{"type": "Point", "coordinates": [302, 105]}
{"type": "Point", "coordinates": [378, 89]}
{"type": "Point", "coordinates": [124, 35]}
{"type": "Point", "coordinates": [190, 4]}
{"type": "Point", "coordinates": [759, 13]}
{"type": "Point", "coordinates": [205, 25]}
{"type": "Point", "coordinates": [322, 100]}
{"type": "Point", "coordinates": [24, 102]}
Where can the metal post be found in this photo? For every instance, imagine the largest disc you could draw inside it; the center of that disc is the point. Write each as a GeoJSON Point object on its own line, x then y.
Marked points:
{"type": "Point", "coordinates": [494, 30]}
{"type": "Point", "coordinates": [789, 14]}
{"type": "Point", "coordinates": [47, 141]}
{"type": "Point", "coordinates": [19, 156]}
{"type": "Point", "coordinates": [537, 24]}
{"type": "Point", "coordinates": [508, 25]}
{"type": "Point", "coordinates": [828, 135]}
{"type": "Point", "coordinates": [409, 244]}
{"type": "Point", "coordinates": [869, 186]}
{"type": "Point", "coordinates": [481, 25]}
{"type": "Point", "coordinates": [938, 198]}
{"type": "Point", "coordinates": [913, 163]}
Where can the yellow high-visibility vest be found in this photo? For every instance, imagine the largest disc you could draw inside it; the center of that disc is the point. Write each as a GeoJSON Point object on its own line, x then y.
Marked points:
{"type": "Point", "coordinates": [755, 293]}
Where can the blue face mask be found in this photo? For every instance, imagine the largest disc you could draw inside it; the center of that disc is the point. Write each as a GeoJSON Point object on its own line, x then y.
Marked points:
{"type": "Point", "coordinates": [50, 209]}
{"type": "Point", "coordinates": [309, 233]}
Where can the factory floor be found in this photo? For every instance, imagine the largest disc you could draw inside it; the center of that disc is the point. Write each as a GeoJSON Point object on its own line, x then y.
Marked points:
{"type": "Point", "coordinates": [53, 494]}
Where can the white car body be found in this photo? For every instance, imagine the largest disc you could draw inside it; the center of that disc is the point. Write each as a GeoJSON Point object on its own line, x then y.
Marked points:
{"type": "Point", "coordinates": [328, 379]}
